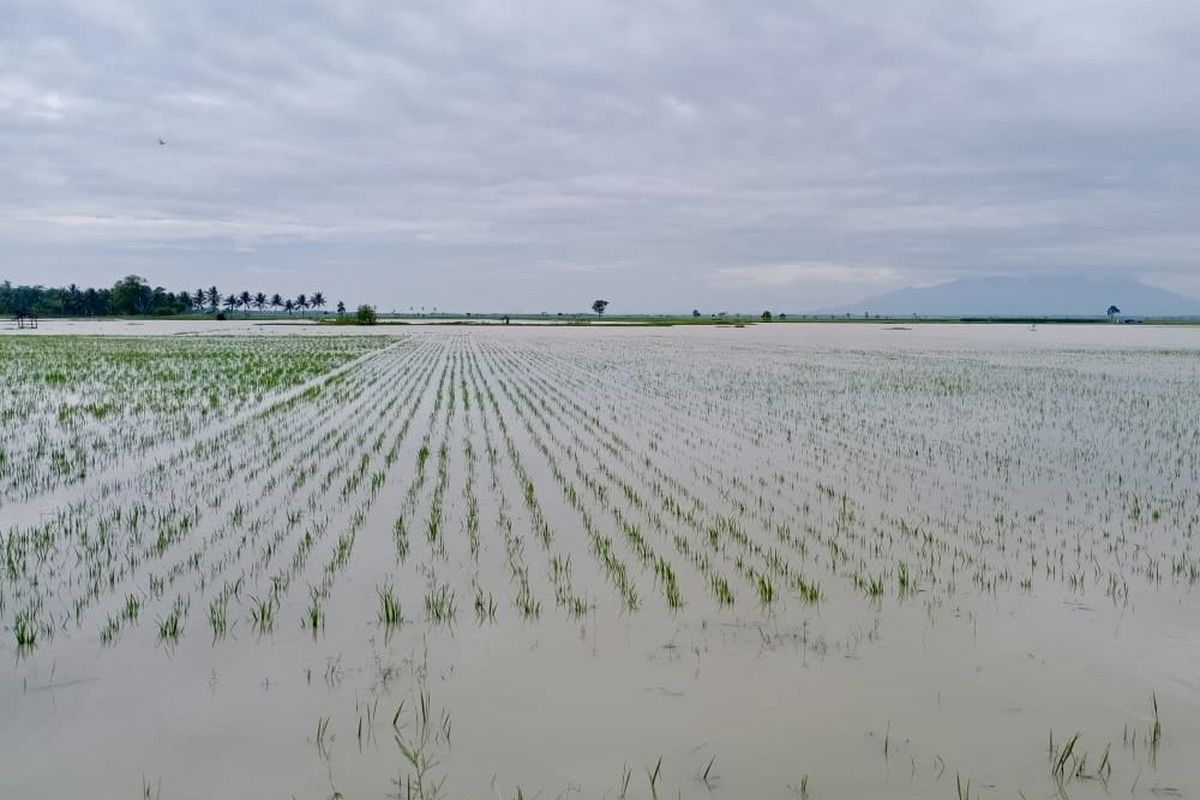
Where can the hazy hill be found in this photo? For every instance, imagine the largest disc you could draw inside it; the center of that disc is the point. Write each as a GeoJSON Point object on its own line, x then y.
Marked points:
{"type": "Point", "coordinates": [1043, 296]}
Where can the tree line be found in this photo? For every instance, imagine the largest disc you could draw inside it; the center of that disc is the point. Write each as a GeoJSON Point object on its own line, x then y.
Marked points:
{"type": "Point", "coordinates": [133, 296]}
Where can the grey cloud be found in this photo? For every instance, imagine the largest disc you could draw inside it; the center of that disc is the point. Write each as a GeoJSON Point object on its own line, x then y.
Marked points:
{"type": "Point", "coordinates": [529, 155]}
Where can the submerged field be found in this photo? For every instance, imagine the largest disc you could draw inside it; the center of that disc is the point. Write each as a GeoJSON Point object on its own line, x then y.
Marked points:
{"type": "Point", "coordinates": [773, 562]}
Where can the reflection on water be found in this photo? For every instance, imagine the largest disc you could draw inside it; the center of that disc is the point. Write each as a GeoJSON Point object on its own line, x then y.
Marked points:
{"type": "Point", "coordinates": [779, 561]}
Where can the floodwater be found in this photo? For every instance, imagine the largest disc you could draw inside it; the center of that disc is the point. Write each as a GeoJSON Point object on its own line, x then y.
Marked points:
{"type": "Point", "coordinates": [949, 550]}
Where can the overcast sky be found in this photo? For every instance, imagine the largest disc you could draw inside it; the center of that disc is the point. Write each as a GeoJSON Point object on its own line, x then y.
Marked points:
{"type": "Point", "coordinates": [536, 155]}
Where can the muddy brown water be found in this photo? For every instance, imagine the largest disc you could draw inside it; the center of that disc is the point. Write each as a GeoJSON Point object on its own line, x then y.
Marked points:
{"type": "Point", "coordinates": [1040, 489]}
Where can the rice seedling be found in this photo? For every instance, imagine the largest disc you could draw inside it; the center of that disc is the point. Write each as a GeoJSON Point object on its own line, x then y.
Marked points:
{"type": "Point", "coordinates": [262, 614]}
{"type": "Point", "coordinates": [217, 618]}
{"type": "Point", "coordinates": [440, 605]}
{"type": "Point", "coordinates": [170, 627]}
{"type": "Point", "coordinates": [25, 629]}
{"type": "Point", "coordinates": [653, 776]}
{"type": "Point", "coordinates": [389, 606]}
{"type": "Point", "coordinates": [1156, 728]}
{"type": "Point", "coordinates": [485, 606]}
{"type": "Point", "coordinates": [314, 616]}
{"type": "Point", "coordinates": [323, 737]}
{"type": "Point", "coordinates": [800, 788]}
{"type": "Point", "coordinates": [626, 776]}
{"type": "Point", "coordinates": [1060, 759]}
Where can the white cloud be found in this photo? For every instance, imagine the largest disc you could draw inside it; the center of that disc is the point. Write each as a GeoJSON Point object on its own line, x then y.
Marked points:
{"type": "Point", "coordinates": [20, 99]}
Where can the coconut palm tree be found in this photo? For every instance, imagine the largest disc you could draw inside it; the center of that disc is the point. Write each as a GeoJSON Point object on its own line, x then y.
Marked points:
{"type": "Point", "coordinates": [317, 301]}
{"type": "Point", "coordinates": [276, 300]}
{"type": "Point", "coordinates": [245, 300]}
{"type": "Point", "coordinates": [214, 298]}
{"type": "Point", "coordinates": [289, 306]}
{"type": "Point", "coordinates": [198, 300]}
{"type": "Point", "coordinates": [301, 302]}
{"type": "Point", "coordinates": [231, 302]}
{"type": "Point", "coordinates": [72, 300]}
{"type": "Point", "coordinates": [260, 301]}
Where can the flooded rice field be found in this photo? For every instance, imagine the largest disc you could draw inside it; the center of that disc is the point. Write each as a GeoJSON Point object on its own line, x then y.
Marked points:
{"type": "Point", "coordinates": [786, 561]}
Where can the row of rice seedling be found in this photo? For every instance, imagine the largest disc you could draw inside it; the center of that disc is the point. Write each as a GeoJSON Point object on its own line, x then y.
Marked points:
{"type": "Point", "coordinates": [433, 490]}
{"type": "Point", "coordinates": [869, 522]}
{"type": "Point", "coordinates": [764, 525]}
{"type": "Point", "coordinates": [96, 545]}
{"type": "Point", "coordinates": [79, 406]}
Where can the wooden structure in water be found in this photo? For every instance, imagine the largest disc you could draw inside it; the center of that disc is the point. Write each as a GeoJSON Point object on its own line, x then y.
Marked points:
{"type": "Point", "coordinates": [25, 320]}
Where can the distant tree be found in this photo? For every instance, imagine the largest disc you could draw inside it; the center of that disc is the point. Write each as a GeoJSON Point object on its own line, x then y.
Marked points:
{"type": "Point", "coordinates": [163, 302]}
{"type": "Point", "coordinates": [134, 296]}
{"type": "Point", "coordinates": [365, 315]}
{"type": "Point", "coordinates": [695, 312]}
{"type": "Point", "coordinates": [276, 300]}
{"type": "Point", "coordinates": [131, 295]}
{"type": "Point", "coordinates": [599, 306]}
{"type": "Point", "coordinates": [74, 300]}
{"type": "Point", "coordinates": [341, 308]}
{"type": "Point", "coordinates": [1113, 311]}
{"type": "Point", "coordinates": [289, 306]}
{"type": "Point", "coordinates": [766, 316]}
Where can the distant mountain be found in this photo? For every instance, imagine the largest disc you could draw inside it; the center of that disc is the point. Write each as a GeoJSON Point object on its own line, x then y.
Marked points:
{"type": "Point", "coordinates": [1043, 296]}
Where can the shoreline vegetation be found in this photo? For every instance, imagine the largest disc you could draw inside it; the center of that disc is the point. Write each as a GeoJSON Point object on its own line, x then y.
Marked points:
{"type": "Point", "coordinates": [666, 320]}
{"type": "Point", "coordinates": [133, 298]}
{"type": "Point", "coordinates": [628, 320]}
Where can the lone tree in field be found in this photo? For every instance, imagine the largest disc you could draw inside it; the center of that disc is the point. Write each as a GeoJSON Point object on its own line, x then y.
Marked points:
{"type": "Point", "coordinates": [766, 316]}
{"type": "Point", "coordinates": [365, 315]}
{"type": "Point", "coordinates": [1113, 311]}
{"type": "Point", "coordinates": [599, 306]}
{"type": "Point", "coordinates": [341, 308]}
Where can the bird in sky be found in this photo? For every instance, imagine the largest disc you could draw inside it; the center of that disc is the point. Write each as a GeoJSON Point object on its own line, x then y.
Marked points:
{"type": "Point", "coordinates": [161, 142]}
